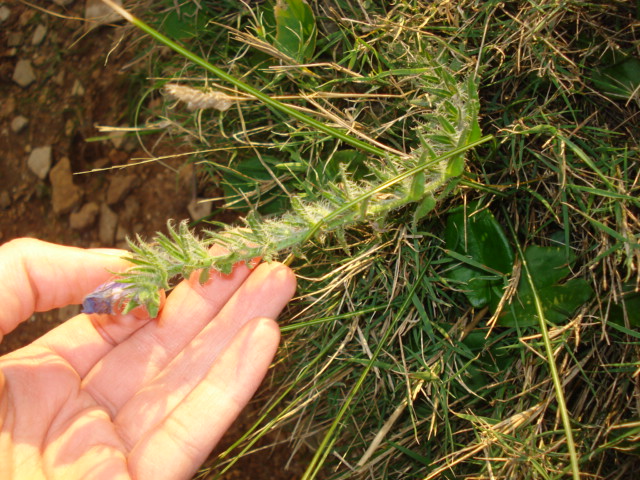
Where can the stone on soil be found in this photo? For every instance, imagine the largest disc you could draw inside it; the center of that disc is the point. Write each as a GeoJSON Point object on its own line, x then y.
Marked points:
{"type": "Point", "coordinates": [40, 161]}
{"type": "Point", "coordinates": [108, 225]}
{"type": "Point", "coordinates": [38, 35]}
{"type": "Point", "coordinates": [23, 74]}
{"type": "Point", "coordinates": [19, 123]}
{"type": "Point", "coordinates": [98, 13]}
{"type": "Point", "coordinates": [199, 208]}
{"type": "Point", "coordinates": [77, 90]}
{"type": "Point", "coordinates": [119, 187]}
{"type": "Point", "coordinates": [5, 200]}
{"type": "Point", "coordinates": [85, 217]}
{"type": "Point", "coordinates": [14, 39]}
{"type": "Point", "coordinates": [65, 195]}
{"type": "Point", "coordinates": [4, 13]}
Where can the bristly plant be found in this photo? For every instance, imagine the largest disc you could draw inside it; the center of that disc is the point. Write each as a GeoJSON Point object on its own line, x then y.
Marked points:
{"type": "Point", "coordinates": [445, 132]}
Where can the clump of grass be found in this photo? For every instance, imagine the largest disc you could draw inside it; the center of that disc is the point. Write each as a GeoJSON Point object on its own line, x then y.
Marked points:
{"type": "Point", "coordinates": [389, 369]}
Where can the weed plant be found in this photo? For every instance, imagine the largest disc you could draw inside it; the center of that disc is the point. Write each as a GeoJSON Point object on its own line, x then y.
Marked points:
{"type": "Point", "coordinates": [480, 324]}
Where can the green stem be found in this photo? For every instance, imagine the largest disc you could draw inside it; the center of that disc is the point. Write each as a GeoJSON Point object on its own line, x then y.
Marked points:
{"type": "Point", "coordinates": [555, 376]}
{"type": "Point", "coordinates": [274, 104]}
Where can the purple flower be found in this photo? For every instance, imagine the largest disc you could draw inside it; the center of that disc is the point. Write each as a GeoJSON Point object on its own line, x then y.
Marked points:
{"type": "Point", "coordinates": [111, 297]}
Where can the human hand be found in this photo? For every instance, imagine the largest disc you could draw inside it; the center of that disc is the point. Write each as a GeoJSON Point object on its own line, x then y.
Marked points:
{"type": "Point", "coordinates": [119, 397]}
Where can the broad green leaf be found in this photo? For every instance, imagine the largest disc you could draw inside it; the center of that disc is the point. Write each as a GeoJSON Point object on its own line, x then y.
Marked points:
{"type": "Point", "coordinates": [295, 29]}
{"type": "Point", "coordinates": [246, 181]}
{"type": "Point", "coordinates": [184, 22]}
{"type": "Point", "coordinates": [548, 267]}
{"type": "Point", "coordinates": [628, 305]}
{"type": "Point", "coordinates": [484, 253]}
{"type": "Point", "coordinates": [620, 80]}
{"type": "Point", "coordinates": [353, 161]}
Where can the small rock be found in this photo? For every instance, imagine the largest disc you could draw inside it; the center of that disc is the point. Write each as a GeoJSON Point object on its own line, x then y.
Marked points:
{"type": "Point", "coordinates": [97, 13]}
{"type": "Point", "coordinates": [119, 187]}
{"type": "Point", "coordinates": [5, 13]}
{"type": "Point", "coordinates": [58, 79]}
{"type": "Point", "coordinates": [77, 90]}
{"type": "Point", "coordinates": [38, 35]}
{"type": "Point", "coordinates": [100, 163]}
{"type": "Point", "coordinates": [23, 74]}
{"type": "Point", "coordinates": [85, 217]}
{"type": "Point", "coordinates": [108, 225]}
{"type": "Point", "coordinates": [131, 209]}
{"type": "Point", "coordinates": [63, 3]}
{"type": "Point", "coordinates": [26, 16]}
{"type": "Point", "coordinates": [5, 200]}
{"type": "Point", "coordinates": [121, 234]}
{"type": "Point", "coordinates": [19, 123]}
{"type": "Point", "coordinates": [40, 161]}
{"type": "Point", "coordinates": [69, 127]}
{"type": "Point", "coordinates": [187, 176]}
{"type": "Point", "coordinates": [117, 138]}
{"type": "Point", "coordinates": [65, 195]}
{"type": "Point", "coordinates": [7, 107]}
{"type": "Point", "coordinates": [14, 39]}
{"type": "Point", "coordinates": [199, 208]}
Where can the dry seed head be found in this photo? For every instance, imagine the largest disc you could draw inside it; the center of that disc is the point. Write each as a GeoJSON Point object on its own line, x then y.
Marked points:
{"type": "Point", "coordinates": [197, 99]}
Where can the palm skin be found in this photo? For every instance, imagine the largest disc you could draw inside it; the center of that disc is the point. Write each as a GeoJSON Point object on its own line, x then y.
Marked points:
{"type": "Point", "coordinates": [119, 397]}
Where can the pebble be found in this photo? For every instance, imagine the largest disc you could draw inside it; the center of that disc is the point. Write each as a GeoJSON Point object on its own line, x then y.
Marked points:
{"type": "Point", "coordinates": [119, 187]}
{"type": "Point", "coordinates": [58, 79]}
{"type": "Point", "coordinates": [77, 90]}
{"type": "Point", "coordinates": [40, 161]}
{"type": "Point", "coordinates": [121, 234]}
{"type": "Point", "coordinates": [19, 123]}
{"type": "Point", "coordinates": [5, 200]}
{"type": "Point", "coordinates": [65, 195]}
{"type": "Point", "coordinates": [85, 217]}
{"type": "Point", "coordinates": [199, 208]}
{"type": "Point", "coordinates": [98, 13]}
{"type": "Point", "coordinates": [108, 225]}
{"type": "Point", "coordinates": [23, 74]}
{"type": "Point", "coordinates": [117, 138]}
{"type": "Point", "coordinates": [7, 107]}
{"type": "Point", "coordinates": [69, 127]}
{"type": "Point", "coordinates": [63, 3]}
{"type": "Point", "coordinates": [5, 13]}
{"type": "Point", "coordinates": [14, 39]}
{"type": "Point", "coordinates": [38, 35]}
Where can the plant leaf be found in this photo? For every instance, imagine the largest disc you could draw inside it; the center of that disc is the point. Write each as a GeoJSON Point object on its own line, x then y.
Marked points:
{"type": "Point", "coordinates": [548, 266]}
{"type": "Point", "coordinates": [242, 186]}
{"type": "Point", "coordinates": [620, 80]}
{"type": "Point", "coordinates": [485, 254]}
{"type": "Point", "coordinates": [295, 29]}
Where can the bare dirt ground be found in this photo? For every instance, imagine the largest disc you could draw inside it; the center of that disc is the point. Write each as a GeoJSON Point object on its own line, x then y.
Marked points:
{"type": "Point", "coordinates": [79, 80]}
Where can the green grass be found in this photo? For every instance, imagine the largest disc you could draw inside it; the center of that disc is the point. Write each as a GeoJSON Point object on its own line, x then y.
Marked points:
{"type": "Point", "coordinates": [389, 368]}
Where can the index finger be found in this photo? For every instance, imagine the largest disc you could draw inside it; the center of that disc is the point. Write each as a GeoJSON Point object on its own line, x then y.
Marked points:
{"type": "Point", "coordinates": [37, 276]}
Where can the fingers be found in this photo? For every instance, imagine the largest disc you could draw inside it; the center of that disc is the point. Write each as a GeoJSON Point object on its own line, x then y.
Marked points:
{"type": "Point", "coordinates": [39, 276]}
{"type": "Point", "coordinates": [185, 434]}
{"type": "Point", "coordinates": [196, 324]}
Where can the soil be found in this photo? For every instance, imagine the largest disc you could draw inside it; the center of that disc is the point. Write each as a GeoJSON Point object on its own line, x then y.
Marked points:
{"type": "Point", "coordinates": [83, 79]}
